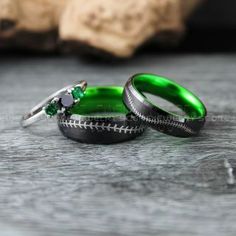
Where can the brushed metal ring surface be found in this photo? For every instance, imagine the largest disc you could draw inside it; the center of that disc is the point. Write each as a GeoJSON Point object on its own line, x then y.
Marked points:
{"type": "Point", "coordinates": [100, 118]}
{"type": "Point", "coordinates": [158, 118]}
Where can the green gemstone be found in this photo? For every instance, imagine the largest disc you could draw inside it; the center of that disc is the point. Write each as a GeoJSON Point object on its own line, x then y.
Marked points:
{"type": "Point", "coordinates": [52, 109]}
{"type": "Point", "coordinates": [77, 93]}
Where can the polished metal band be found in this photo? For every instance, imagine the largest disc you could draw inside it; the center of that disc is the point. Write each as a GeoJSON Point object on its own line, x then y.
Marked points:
{"type": "Point", "coordinates": [38, 112]}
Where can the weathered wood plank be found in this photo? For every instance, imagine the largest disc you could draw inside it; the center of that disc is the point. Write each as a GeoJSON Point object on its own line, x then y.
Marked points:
{"type": "Point", "coordinates": [154, 185]}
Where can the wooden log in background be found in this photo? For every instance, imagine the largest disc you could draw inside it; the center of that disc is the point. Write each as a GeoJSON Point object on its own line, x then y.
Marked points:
{"type": "Point", "coordinates": [114, 27]}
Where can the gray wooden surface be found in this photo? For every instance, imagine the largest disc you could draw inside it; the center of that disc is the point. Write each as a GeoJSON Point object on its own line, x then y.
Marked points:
{"type": "Point", "coordinates": [154, 185]}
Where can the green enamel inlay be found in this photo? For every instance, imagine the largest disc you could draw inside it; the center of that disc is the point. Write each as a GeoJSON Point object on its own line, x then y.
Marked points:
{"type": "Point", "coordinates": [103, 100]}
{"type": "Point", "coordinates": [170, 91]}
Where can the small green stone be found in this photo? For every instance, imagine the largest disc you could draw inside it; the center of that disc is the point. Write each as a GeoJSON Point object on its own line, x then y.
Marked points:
{"type": "Point", "coordinates": [77, 93]}
{"type": "Point", "coordinates": [52, 109]}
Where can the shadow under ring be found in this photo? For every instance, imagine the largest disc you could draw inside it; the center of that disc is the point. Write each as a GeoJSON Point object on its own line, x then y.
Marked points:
{"type": "Point", "coordinates": [100, 118]}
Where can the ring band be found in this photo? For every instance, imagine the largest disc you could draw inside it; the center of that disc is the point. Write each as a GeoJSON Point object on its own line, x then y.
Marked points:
{"type": "Point", "coordinates": [55, 103]}
{"type": "Point", "coordinates": [156, 117]}
{"type": "Point", "coordinates": [101, 118]}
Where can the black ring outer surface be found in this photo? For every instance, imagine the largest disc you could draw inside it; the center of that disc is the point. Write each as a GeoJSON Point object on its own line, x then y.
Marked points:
{"type": "Point", "coordinates": [158, 119]}
{"type": "Point", "coordinates": [101, 130]}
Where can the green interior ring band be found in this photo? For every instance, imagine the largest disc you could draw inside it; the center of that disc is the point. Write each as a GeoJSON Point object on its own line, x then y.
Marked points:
{"type": "Point", "coordinates": [100, 117]}
{"type": "Point", "coordinates": [158, 118]}
{"type": "Point", "coordinates": [98, 101]}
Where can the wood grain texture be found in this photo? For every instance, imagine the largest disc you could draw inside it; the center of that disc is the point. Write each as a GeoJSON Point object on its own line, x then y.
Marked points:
{"type": "Point", "coordinates": [154, 185]}
{"type": "Point", "coordinates": [106, 25]}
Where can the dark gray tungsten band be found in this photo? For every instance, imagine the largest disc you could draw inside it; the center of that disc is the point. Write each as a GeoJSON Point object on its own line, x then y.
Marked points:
{"type": "Point", "coordinates": [105, 130]}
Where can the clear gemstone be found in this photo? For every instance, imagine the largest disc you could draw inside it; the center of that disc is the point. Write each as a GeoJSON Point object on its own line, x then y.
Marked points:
{"type": "Point", "coordinates": [67, 100]}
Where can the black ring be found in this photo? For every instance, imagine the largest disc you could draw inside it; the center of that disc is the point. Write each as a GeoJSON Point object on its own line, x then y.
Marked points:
{"type": "Point", "coordinates": [157, 118]}
{"type": "Point", "coordinates": [83, 123]}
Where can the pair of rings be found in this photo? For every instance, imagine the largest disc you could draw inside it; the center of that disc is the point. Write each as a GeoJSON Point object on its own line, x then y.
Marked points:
{"type": "Point", "coordinates": [112, 114]}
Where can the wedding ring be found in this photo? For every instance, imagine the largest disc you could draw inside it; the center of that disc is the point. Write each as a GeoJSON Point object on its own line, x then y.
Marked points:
{"type": "Point", "coordinates": [56, 103]}
{"type": "Point", "coordinates": [100, 118]}
{"type": "Point", "coordinates": [158, 118]}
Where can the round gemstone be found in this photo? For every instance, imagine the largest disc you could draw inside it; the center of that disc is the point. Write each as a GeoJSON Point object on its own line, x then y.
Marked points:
{"type": "Point", "coordinates": [77, 93]}
{"type": "Point", "coordinates": [52, 109]}
{"type": "Point", "coordinates": [67, 100]}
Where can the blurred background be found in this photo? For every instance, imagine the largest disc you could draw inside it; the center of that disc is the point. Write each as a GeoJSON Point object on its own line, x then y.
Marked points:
{"type": "Point", "coordinates": [213, 27]}
{"type": "Point", "coordinates": [106, 28]}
